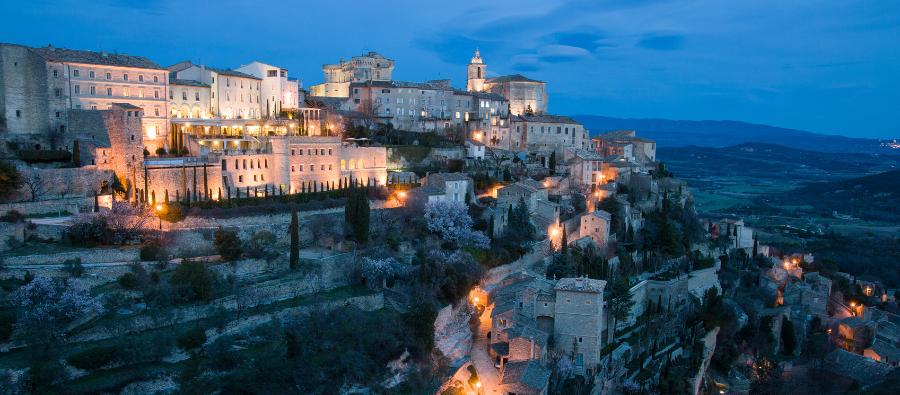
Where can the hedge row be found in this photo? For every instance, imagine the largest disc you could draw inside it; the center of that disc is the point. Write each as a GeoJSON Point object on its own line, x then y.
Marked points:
{"type": "Point", "coordinates": [32, 156]}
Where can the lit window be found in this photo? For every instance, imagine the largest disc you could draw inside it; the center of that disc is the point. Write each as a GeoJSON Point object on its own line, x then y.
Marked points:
{"type": "Point", "coordinates": [140, 92]}
{"type": "Point", "coordinates": [125, 92]}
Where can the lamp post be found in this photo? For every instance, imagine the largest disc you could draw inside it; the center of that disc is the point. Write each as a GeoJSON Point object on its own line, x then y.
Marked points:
{"type": "Point", "coordinates": [478, 385]}
{"type": "Point", "coordinates": [158, 215]}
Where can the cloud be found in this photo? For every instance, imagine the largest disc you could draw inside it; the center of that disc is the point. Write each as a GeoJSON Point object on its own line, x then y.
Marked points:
{"type": "Point", "coordinates": [561, 53]}
{"type": "Point", "coordinates": [588, 41]}
{"type": "Point", "coordinates": [662, 43]}
{"type": "Point", "coordinates": [525, 62]}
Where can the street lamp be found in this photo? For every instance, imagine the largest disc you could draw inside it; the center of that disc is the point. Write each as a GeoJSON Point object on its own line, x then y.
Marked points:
{"type": "Point", "coordinates": [478, 384]}
{"type": "Point", "coordinates": [158, 215]}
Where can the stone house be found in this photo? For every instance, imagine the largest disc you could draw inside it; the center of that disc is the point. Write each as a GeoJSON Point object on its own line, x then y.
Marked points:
{"type": "Point", "coordinates": [280, 91]}
{"type": "Point", "coordinates": [586, 168]}
{"type": "Point", "coordinates": [596, 225]}
{"type": "Point", "coordinates": [856, 331]}
{"type": "Point", "coordinates": [474, 149]}
{"type": "Point", "coordinates": [525, 378]}
{"type": "Point", "coordinates": [851, 366]}
{"type": "Point", "coordinates": [642, 151]}
{"type": "Point", "coordinates": [883, 352]}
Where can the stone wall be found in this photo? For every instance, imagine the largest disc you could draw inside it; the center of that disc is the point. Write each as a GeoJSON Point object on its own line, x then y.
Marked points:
{"type": "Point", "coordinates": [536, 256]}
{"type": "Point", "coordinates": [703, 279]}
{"type": "Point", "coordinates": [75, 182]}
{"type": "Point", "coordinates": [84, 204]}
{"type": "Point", "coordinates": [90, 256]}
{"type": "Point", "coordinates": [15, 231]}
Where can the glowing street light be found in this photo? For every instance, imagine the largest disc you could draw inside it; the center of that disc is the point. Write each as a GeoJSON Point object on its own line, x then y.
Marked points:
{"type": "Point", "coordinates": [159, 215]}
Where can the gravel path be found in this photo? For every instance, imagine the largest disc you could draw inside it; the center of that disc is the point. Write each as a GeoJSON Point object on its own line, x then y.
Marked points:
{"type": "Point", "coordinates": [481, 358]}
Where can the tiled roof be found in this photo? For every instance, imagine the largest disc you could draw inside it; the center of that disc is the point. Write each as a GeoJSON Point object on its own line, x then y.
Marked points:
{"type": "Point", "coordinates": [532, 183]}
{"type": "Point", "coordinates": [623, 135]}
{"type": "Point", "coordinates": [452, 176]}
{"type": "Point", "coordinates": [853, 322]}
{"type": "Point", "coordinates": [602, 214]}
{"type": "Point", "coordinates": [176, 81]}
{"type": "Point", "coordinates": [510, 78]}
{"type": "Point", "coordinates": [475, 142]}
{"type": "Point", "coordinates": [857, 367]}
{"type": "Point", "coordinates": [528, 333]}
{"type": "Point", "coordinates": [546, 298]}
{"type": "Point", "coordinates": [402, 84]}
{"type": "Point", "coordinates": [127, 106]}
{"type": "Point", "coordinates": [607, 187]}
{"type": "Point", "coordinates": [52, 54]}
{"type": "Point", "coordinates": [486, 95]}
{"type": "Point", "coordinates": [233, 73]}
{"type": "Point", "coordinates": [884, 349]}
{"type": "Point", "coordinates": [501, 348]}
{"type": "Point", "coordinates": [526, 372]}
{"type": "Point", "coordinates": [585, 154]}
{"type": "Point", "coordinates": [581, 285]}
{"type": "Point", "coordinates": [500, 308]}
{"type": "Point", "coordinates": [546, 118]}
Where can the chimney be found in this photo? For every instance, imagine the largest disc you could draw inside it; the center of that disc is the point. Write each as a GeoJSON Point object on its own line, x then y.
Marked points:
{"type": "Point", "coordinates": [104, 54]}
{"type": "Point", "coordinates": [579, 282]}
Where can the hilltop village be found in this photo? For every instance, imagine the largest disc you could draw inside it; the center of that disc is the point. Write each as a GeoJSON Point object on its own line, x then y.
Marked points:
{"type": "Point", "coordinates": [198, 229]}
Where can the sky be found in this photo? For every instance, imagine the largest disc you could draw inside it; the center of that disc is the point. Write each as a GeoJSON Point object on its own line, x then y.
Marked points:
{"type": "Point", "coordinates": [824, 66]}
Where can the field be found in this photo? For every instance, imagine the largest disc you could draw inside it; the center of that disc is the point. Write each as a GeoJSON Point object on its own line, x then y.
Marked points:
{"type": "Point", "coordinates": [723, 194]}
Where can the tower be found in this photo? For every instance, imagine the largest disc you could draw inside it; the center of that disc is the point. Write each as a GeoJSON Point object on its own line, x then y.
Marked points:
{"type": "Point", "coordinates": [477, 71]}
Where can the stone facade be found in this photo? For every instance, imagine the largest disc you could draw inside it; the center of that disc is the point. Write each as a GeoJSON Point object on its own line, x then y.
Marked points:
{"type": "Point", "coordinates": [596, 225]}
{"type": "Point", "coordinates": [546, 133]}
{"type": "Point", "coordinates": [367, 67]}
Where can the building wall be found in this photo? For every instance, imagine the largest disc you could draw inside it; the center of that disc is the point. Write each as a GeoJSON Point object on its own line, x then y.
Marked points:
{"type": "Point", "coordinates": [521, 95]}
{"type": "Point", "coordinates": [578, 316]}
{"type": "Point", "coordinates": [547, 136]}
{"type": "Point", "coordinates": [189, 101]}
{"type": "Point", "coordinates": [23, 88]}
{"type": "Point", "coordinates": [597, 228]}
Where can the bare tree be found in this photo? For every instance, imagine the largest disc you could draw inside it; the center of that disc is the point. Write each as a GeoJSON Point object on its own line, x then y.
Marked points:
{"type": "Point", "coordinates": [368, 112]}
{"type": "Point", "coordinates": [387, 221]}
{"type": "Point", "coordinates": [35, 185]}
{"type": "Point", "coordinates": [126, 221]}
{"type": "Point", "coordinates": [497, 157]}
{"type": "Point", "coordinates": [322, 227]}
{"type": "Point", "coordinates": [65, 188]}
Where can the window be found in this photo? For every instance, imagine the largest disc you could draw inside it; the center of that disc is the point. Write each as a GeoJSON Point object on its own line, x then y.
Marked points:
{"type": "Point", "coordinates": [58, 92]}
{"type": "Point", "coordinates": [156, 111]}
{"type": "Point", "coordinates": [58, 114]}
{"type": "Point", "coordinates": [272, 73]}
{"type": "Point", "coordinates": [140, 78]}
{"type": "Point", "coordinates": [224, 164]}
{"type": "Point", "coordinates": [109, 76]}
{"type": "Point", "coordinates": [227, 96]}
{"type": "Point", "coordinates": [55, 73]}
{"type": "Point", "coordinates": [282, 73]}
{"type": "Point", "coordinates": [171, 95]}
{"type": "Point", "coordinates": [240, 178]}
{"type": "Point", "coordinates": [502, 322]}
{"type": "Point", "coordinates": [323, 168]}
{"type": "Point", "coordinates": [227, 81]}
{"type": "Point", "coordinates": [155, 79]}
{"type": "Point", "coordinates": [93, 91]}
{"type": "Point", "coordinates": [125, 92]}
{"type": "Point", "coordinates": [254, 177]}
{"type": "Point", "coordinates": [262, 177]}
{"type": "Point", "coordinates": [18, 113]}
{"type": "Point", "coordinates": [132, 137]}
{"type": "Point", "coordinates": [545, 305]}
{"type": "Point", "coordinates": [140, 92]}
{"type": "Point", "coordinates": [196, 96]}
{"type": "Point", "coordinates": [292, 152]}
{"type": "Point", "coordinates": [108, 91]}
{"type": "Point", "coordinates": [579, 359]}
{"type": "Point", "coordinates": [124, 77]}
{"type": "Point", "coordinates": [329, 166]}
{"type": "Point", "coordinates": [156, 94]}
{"type": "Point", "coordinates": [329, 151]}
{"type": "Point", "coordinates": [581, 340]}
{"type": "Point", "coordinates": [245, 164]}
{"type": "Point", "coordinates": [266, 163]}
{"type": "Point", "coordinates": [301, 167]}
{"type": "Point", "coordinates": [75, 73]}
{"type": "Point", "coordinates": [183, 95]}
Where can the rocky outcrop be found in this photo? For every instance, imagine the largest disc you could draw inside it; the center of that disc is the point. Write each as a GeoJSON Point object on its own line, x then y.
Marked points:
{"type": "Point", "coordinates": [454, 338]}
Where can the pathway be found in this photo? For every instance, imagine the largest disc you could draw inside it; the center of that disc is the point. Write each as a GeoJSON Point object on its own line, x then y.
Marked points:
{"type": "Point", "coordinates": [481, 357]}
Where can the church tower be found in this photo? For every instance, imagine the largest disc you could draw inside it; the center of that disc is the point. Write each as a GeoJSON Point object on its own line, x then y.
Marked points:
{"type": "Point", "coordinates": [477, 71]}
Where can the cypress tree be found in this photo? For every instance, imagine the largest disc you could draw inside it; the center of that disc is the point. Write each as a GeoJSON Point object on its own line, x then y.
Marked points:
{"type": "Point", "coordinates": [76, 154]}
{"type": "Point", "coordinates": [491, 228]}
{"type": "Point", "coordinates": [509, 214]}
{"type": "Point", "coordinates": [237, 192]}
{"type": "Point", "coordinates": [468, 198]}
{"type": "Point", "coordinates": [267, 192]}
{"type": "Point", "coordinates": [248, 191]}
{"type": "Point", "coordinates": [362, 218]}
{"type": "Point", "coordinates": [552, 164]}
{"type": "Point", "coordinates": [96, 199]}
{"type": "Point", "coordinates": [219, 196]}
{"type": "Point", "coordinates": [167, 196]}
{"type": "Point", "coordinates": [350, 208]}
{"type": "Point", "coordinates": [177, 196]}
{"type": "Point", "coordinates": [295, 239]}
{"type": "Point", "coordinates": [152, 198]}
{"type": "Point", "coordinates": [565, 243]}
{"type": "Point", "coordinates": [255, 191]}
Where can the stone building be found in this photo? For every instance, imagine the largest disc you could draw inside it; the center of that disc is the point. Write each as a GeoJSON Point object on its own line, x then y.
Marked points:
{"type": "Point", "coordinates": [528, 308]}
{"type": "Point", "coordinates": [586, 167]}
{"type": "Point", "coordinates": [596, 225]}
{"type": "Point", "coordinates": [526, 96]}
{"type": "Point", "coordinates": [546, 133]}
{"type": "Point", "coordinates": [338, 77]}
{"type": "Point", "coordinates": [277, 88]}
{"type": "Point", "coordinates": [627, 144]}
{"type": "Point", "coordinates": [40, 86]}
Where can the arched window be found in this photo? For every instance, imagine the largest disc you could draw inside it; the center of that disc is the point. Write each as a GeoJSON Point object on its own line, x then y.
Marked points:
{"type": "Point", "coordinates": [362, 164]}
{"type": "Point", "coordinates": [352, 164]}
{"type": "Point", "coordinates": [343, 164]}
{"type": "Point", "coordinates": [479, 73]}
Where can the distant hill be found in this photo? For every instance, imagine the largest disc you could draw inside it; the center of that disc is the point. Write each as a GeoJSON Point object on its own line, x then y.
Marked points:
{"type": "Point", "coordinates": [718, 134]}
{"type": "Point", "coordinates": [873, 197]}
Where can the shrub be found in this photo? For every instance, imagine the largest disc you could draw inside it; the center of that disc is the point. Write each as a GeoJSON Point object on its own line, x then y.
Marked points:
{"type": "Point", "coordinates": [35, 156]}
{"type": "Point", "coordinates": [73, 267]}
{"type": "Point", "coordinates": [196, 277]}
{"type": "Point", "coordinates": [262, 245]}
{"type": "Point", "coordinates": [146, 152]}
{"type": "Point", "coordinates": [173, 151]}
{"type": "Point", "coordinates": [7, 324]}
{"type": "Point", "coordinates": [10, 179]}
{"type": "Point", "coordinates": [128, 280]}
{"type": "Point", "coordinates": [160, 151]}
{"type": "Point", "coordinates": [171, 213]}
{"type": "Point", "coordinates": [227, 244]}
{"type": "Point", "coordinates": [192, 339]}
{"type": "Point", "coordinates": [88, 234]}
{"type": "Point", "coordinates": [184, 151]}
{"type": "Point", "coordinates": [12, 216]}
{"type": "Point", "coordinates": [92, 358]}
{"type": "Point", "coordinates": [151, 252]}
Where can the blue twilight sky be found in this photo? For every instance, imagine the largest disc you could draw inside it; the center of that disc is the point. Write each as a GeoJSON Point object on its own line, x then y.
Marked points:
{"type": "Point", "coordinates": [826, 66]}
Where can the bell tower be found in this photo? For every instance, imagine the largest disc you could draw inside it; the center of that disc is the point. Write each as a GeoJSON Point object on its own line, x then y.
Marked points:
{"type": "Point", "coordinates": [477, 71]}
